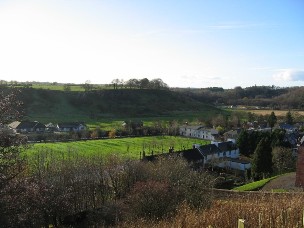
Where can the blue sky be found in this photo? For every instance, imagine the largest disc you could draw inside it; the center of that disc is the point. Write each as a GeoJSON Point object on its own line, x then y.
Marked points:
{"type": "Point", "coordinates": [186, 43]}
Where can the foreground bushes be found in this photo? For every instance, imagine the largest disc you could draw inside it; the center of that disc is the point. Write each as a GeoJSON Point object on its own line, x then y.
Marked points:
{"type": "Point", "coordinates": [77, 191]}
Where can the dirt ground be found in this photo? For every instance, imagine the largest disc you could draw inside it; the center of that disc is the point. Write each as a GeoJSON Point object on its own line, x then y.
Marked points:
{"type": "Point", "coordinates": [286, 182]}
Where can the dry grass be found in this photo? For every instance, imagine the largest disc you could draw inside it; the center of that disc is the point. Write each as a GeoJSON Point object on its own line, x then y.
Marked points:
{"type": "Point", "coordinates": [279, 113]}
{"type": "Point", "coordinates": [258, 210]}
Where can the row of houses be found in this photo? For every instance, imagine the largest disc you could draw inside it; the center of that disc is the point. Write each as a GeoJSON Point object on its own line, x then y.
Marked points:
{"type": "Point", "coordinates": [292, 132]}
{"type": "Point", "coordinates": [37, 127]}
{"type": "Point", "coordinates": [217, 154]}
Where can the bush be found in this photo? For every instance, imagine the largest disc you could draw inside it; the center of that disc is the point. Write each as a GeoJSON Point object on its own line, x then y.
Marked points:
{"type": "Point", "coordinates": [152, 199]}
{"type": "Point", "coordinates": [168, 183]}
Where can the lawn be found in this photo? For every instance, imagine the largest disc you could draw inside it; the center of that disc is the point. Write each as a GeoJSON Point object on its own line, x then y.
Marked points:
{"type": "Point", "coordinates": [125, 147]}
{"type": "Point", "coordinates": [254, 185]}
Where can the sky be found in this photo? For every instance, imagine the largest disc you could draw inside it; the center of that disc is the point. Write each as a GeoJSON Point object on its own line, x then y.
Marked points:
{"type": "Point", "coordinates": [186, 43]}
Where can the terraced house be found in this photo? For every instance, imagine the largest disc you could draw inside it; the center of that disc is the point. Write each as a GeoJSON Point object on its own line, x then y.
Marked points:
{"type": "Point", "coordinates": [198, 132]}
{"type": "Point", "coordinates": [217, 154]}
{"type": "Point", "coordinates": [27, 126]}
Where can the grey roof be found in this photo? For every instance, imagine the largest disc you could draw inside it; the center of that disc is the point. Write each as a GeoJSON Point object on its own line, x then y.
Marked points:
{"type": "Point", "coordinates": [226, 146]}
{"type": "Point", "coordinates": [213, 131]}
{"type": "Point", "coordinates": [49, 125]}
{"type": "Point", "coordinates": [70, 124]}
{"type": "Point", "coordinates": [14, 124]}
{"type": "Point", "coordinates": [192, 127]}
{"type": "Point", "coordinates": [26, 125]}
{"type": "Point", "coordinates": [287, 126]}
{"type": "Point", "coordinates": [209, 149]}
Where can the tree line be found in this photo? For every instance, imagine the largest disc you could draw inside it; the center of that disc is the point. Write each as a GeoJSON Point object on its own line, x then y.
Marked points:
{"type": "Point", "coordinates": [143, 83]}
{"type": "Point", "coordinates": [262, 96]}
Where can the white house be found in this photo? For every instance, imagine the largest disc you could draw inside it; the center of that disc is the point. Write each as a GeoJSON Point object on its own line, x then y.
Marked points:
{"type": "Point", "coordinates": [73, 126]}
{"type": "Point", "coordinates": [198, 132]}
{"type": "Point", "coordinates": [223, 154]}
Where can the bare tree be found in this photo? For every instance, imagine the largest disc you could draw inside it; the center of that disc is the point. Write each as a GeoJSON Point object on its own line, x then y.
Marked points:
{"type": "Point", "coordinates": [11, 145]}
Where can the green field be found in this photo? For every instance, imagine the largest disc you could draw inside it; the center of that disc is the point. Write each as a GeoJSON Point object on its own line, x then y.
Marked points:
{"type": "Point", "coordinates": [60, 87]}
{"type": "Point", "coordinates": [56, 87]}
{"type": "Point", "coordinates": [125, 147]}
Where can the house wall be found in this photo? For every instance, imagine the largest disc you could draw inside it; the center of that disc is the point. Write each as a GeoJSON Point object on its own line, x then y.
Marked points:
{"type": "Point", "coordinates": [200, 133]}
{"type": "Point", "coordinates": [205, 134]}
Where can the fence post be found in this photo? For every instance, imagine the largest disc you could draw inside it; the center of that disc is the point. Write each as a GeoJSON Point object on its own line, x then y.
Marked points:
{"type": "Point", "coordinates": [241, 223]}
{"type": "Point", "coordinates": [260, 220]}
{"type": "Point", "coordinates": [303, 219]}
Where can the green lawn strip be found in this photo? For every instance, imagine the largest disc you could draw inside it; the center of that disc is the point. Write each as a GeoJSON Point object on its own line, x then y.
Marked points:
{"type": "Point", "coordinates": [125, 147]}
{"type": "Point", "coordinates": [254, 185]}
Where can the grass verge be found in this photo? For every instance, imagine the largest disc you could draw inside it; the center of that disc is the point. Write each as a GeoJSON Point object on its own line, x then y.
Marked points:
{"type": "Point", "coordinates": [254, 186]}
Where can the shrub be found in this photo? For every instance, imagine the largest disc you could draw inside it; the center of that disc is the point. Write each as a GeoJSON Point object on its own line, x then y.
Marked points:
{"type": "Point", "coordinates": [152, 199]}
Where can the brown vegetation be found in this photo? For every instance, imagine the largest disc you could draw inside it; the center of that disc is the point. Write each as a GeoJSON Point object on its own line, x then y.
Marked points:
{"type": "Point", "coordinates": [258, 210]}
{"type": "Point", "coordinates": [279, 113]}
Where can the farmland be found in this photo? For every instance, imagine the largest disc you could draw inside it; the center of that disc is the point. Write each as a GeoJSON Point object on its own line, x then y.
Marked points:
{"type": "Point", "coordinates": [124, 147]}
{"type": "Point", "coordinates": [279, 113]}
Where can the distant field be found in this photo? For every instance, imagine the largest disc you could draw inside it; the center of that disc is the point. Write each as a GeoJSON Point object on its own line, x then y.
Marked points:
{"type": "Point", "coordinates": [125, 147]}
{"type": "Point", "coordinates": [57, 87]}
{"type": "Point", "coordinates": [277, 112]}
{"type": "Point", "coordinates": [60, 87]}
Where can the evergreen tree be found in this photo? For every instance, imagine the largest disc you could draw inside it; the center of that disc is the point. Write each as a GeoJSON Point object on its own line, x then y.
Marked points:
{"type": "Point", "coordinates": [283, 160]}
{"type": "Point", "coordinates": [262, 159]}
{"type": "Point", "coordinates": [289, 118]}
{"type": "Point", "coordinates": [272, 120]}
{"type": "Point", "coordinates": [242, 143]}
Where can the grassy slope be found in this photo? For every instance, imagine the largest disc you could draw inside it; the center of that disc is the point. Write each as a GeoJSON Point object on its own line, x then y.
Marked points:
{"type": "Point", "coordinates": [254, 185]}
{"type": "Point", "coordinates": [125, 147]}
{"type": "Point", "coordinates": [108, 106]}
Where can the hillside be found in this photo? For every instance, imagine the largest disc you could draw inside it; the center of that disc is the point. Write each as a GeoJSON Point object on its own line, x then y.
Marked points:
{"type": "Point", "coordinates": [51, 105]}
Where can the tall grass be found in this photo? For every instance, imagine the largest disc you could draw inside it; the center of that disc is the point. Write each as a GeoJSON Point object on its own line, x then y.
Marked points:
{"type": "Point", "coordinates": [258, 210]}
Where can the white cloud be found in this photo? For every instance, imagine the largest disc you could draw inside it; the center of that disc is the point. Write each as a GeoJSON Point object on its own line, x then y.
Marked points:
{"type": "Point", "coordinates": [289, 75]}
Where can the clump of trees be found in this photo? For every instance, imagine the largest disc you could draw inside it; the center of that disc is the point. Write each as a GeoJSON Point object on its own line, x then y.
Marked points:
{"type": "Point", "coordinates": [144, 83]}
{"type": "Point", "coordinates": [270, 152]}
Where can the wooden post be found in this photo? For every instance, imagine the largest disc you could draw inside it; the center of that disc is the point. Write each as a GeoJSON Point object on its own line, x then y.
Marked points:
{"type": "Point", "coordinates": [241, 223]}
{"type": "Point", "coordinates": [260, 220]}
{"type": "Point", "coordinates": [303, 219]}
